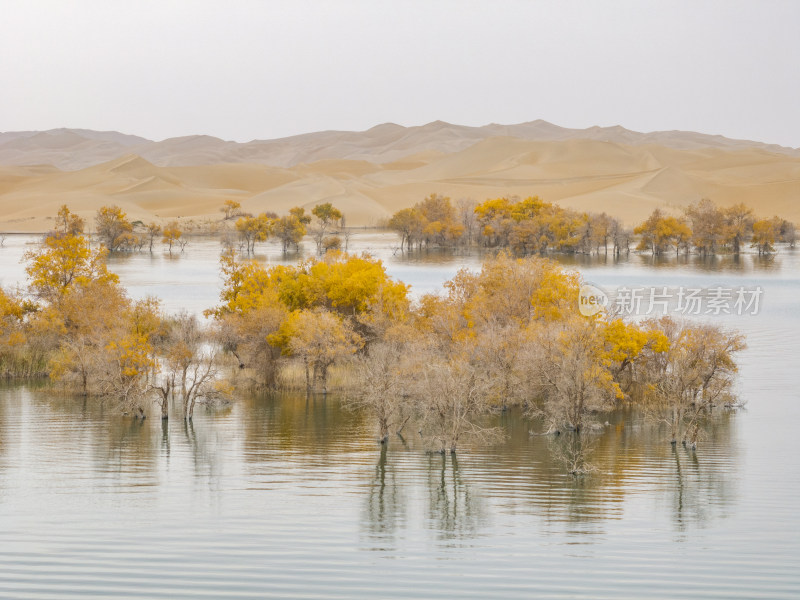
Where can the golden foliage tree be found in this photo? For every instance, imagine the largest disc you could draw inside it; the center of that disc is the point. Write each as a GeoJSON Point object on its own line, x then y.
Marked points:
{"type": "Point", "coordinates": [114, 229]}
{"type": "Point", "coordinates": [327, 216]}
{"type": "Point", "coordinates": [765, 233]}
{"type": "Point", "coordinates": [660, 232]}
{"type": "Point", "coordinates": [171, 234]}
{"type": "Point", "coordinates": [231, 209]}
{"type": "Point", "coordinates": [68, 223]}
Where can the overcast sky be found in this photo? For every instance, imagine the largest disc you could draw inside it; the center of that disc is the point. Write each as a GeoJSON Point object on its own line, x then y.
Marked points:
{"type": "Point", "coordinates": [247, 70]}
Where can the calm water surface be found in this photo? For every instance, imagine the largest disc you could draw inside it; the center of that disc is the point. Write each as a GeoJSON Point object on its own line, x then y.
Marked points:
{"type": "Point", "coordinates": [284, 497]}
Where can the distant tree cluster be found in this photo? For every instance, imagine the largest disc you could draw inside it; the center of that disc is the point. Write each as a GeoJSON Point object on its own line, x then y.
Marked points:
{"type": "Point", "coordinates": [708, 229]}
{"type": "Point", "coordinates": [431, 222]}
{"type": "Point", "coordinates": [533, 226]}
{"type": "Point", "coordinates": [116, 232]}
{"type": "Point", "coordinates": [291, 228]}
{"type": "Point", "coordinates": [524, 226]}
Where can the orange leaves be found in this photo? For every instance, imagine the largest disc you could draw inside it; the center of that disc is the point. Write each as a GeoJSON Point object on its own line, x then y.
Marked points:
{"type": "Point", "coordinates": [11, 307]}
{"type": "Point", "coordinates": [230, 208]}
{"type": "Point", "coordinates": [319, 337]}
{"type": "Point", "coordinates": [68, 223]}
{"type": "Point", "coordinates": [554, 296]}
{"type": "Point", "coordinates": [327, 213]}
{"type": "Point", "coordinates": [623, 341]}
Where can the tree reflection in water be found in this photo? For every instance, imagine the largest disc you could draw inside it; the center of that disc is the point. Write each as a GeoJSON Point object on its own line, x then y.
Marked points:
{"type": "Point", "coordinates": [454, 510]}
{"type": "Point", "coordinates": [385, 504]}
{"type": "Point", "coordinates": [295, 444]}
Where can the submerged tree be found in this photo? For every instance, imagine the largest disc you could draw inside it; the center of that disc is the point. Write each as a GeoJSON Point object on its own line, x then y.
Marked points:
{"type": "Point", "coordinates": [765, 233]}
{"type": "Point", "coordinates": [62, 263]}
{"type": "Point", "coordinates": [114, 229]}
{"type": "Point", "coordinates": [451, 401]}
{"type": "Point", "coordinates": [433, 222]}
{"type": "Point", "coordinates": [255, 229]}
{"type": "Point", "coordinates": [189, 369]}
{"type": "Point", "coordinates": [291, 228]}
{"type": "Point", "coordinates": [172, 234]}
{"type": "Point", "coordinates": [682, 385]}
{"type": "Point", "coordinates": [327, 216]}
{"type": "Point", "coordinates": [152, 233]}
{"type": "Point", "coordinates": [659, 233]}
{"type": "Point", "coordinates": [68, 223]}
{"type": "Point", "coordinates": [708, 226]}
{"type": "Point", "coordinates": [573, 375]}
{"type": "Point", "coordinates": [320, 338]}
{"type": "Point", "coordinates": [383, 374]}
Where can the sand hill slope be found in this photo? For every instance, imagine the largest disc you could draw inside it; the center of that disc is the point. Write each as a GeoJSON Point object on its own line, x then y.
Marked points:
{"type": "Point", "coordinates": [371, 174]}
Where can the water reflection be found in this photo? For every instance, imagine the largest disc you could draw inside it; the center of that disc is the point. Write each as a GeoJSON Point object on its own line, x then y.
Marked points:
{"type": "Point", "coordinates": [455, 511]}
{"type": "Point", "coordinates": [385, 503]}
{"type": "Point", "coordinates": [693, 262]}
{"type": "Point", "coordinates": [314, 426]}
{"type": "Point", "coordinates": [703, 483]}
{"type": "Point", "coordinates": [130, 447]}
{"type": "Point", "coordinates": [293, 438]}
{"type": "Point", "coordinates": [296, 477]}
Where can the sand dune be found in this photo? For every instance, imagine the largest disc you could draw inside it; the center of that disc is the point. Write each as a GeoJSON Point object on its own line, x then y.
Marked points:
{"type": "Point", "coordinates": [371, 174]}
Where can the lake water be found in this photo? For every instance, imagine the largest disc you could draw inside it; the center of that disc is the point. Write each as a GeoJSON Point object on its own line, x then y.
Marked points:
{"type": "Point", "coordinates": [284, 497]}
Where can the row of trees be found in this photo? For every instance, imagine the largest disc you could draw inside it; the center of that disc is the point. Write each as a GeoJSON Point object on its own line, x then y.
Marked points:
{"type": "Point", "coordinates": [508, 335]}
{"type": "Point", "coordinates": [709, 229]}
{"type": "Point", "coordinates": [532, 226]}
{"type": "Point", "coordinates": [525, 226]}
{"type": "Point", "coordinates": [289, 229]}
{"type": "Point", "coordinates": [117, 233]}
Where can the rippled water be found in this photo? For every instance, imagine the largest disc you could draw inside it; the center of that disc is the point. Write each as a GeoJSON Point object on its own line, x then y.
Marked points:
{"type": "Point", "coordinates": [284, 497]}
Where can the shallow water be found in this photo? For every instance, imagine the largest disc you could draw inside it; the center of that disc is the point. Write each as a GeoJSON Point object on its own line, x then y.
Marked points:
{"type": "Point", "coordinates": [290, 498]}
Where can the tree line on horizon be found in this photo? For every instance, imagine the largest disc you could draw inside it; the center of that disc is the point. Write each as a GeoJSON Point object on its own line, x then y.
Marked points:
{"type": "Point", "coordinates": [533, 226]}
{"type": "Point", "coordinates": [509, 335]}
{"type": "Point", "coordinates": [117, 233]}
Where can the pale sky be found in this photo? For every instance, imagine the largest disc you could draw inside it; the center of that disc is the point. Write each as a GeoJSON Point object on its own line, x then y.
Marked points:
{"type": "Point", "coordinates": [245, 70]}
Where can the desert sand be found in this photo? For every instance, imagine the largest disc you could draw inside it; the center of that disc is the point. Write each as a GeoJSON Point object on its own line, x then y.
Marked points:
{"type": "Point", "coordinates": [369, 175]}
